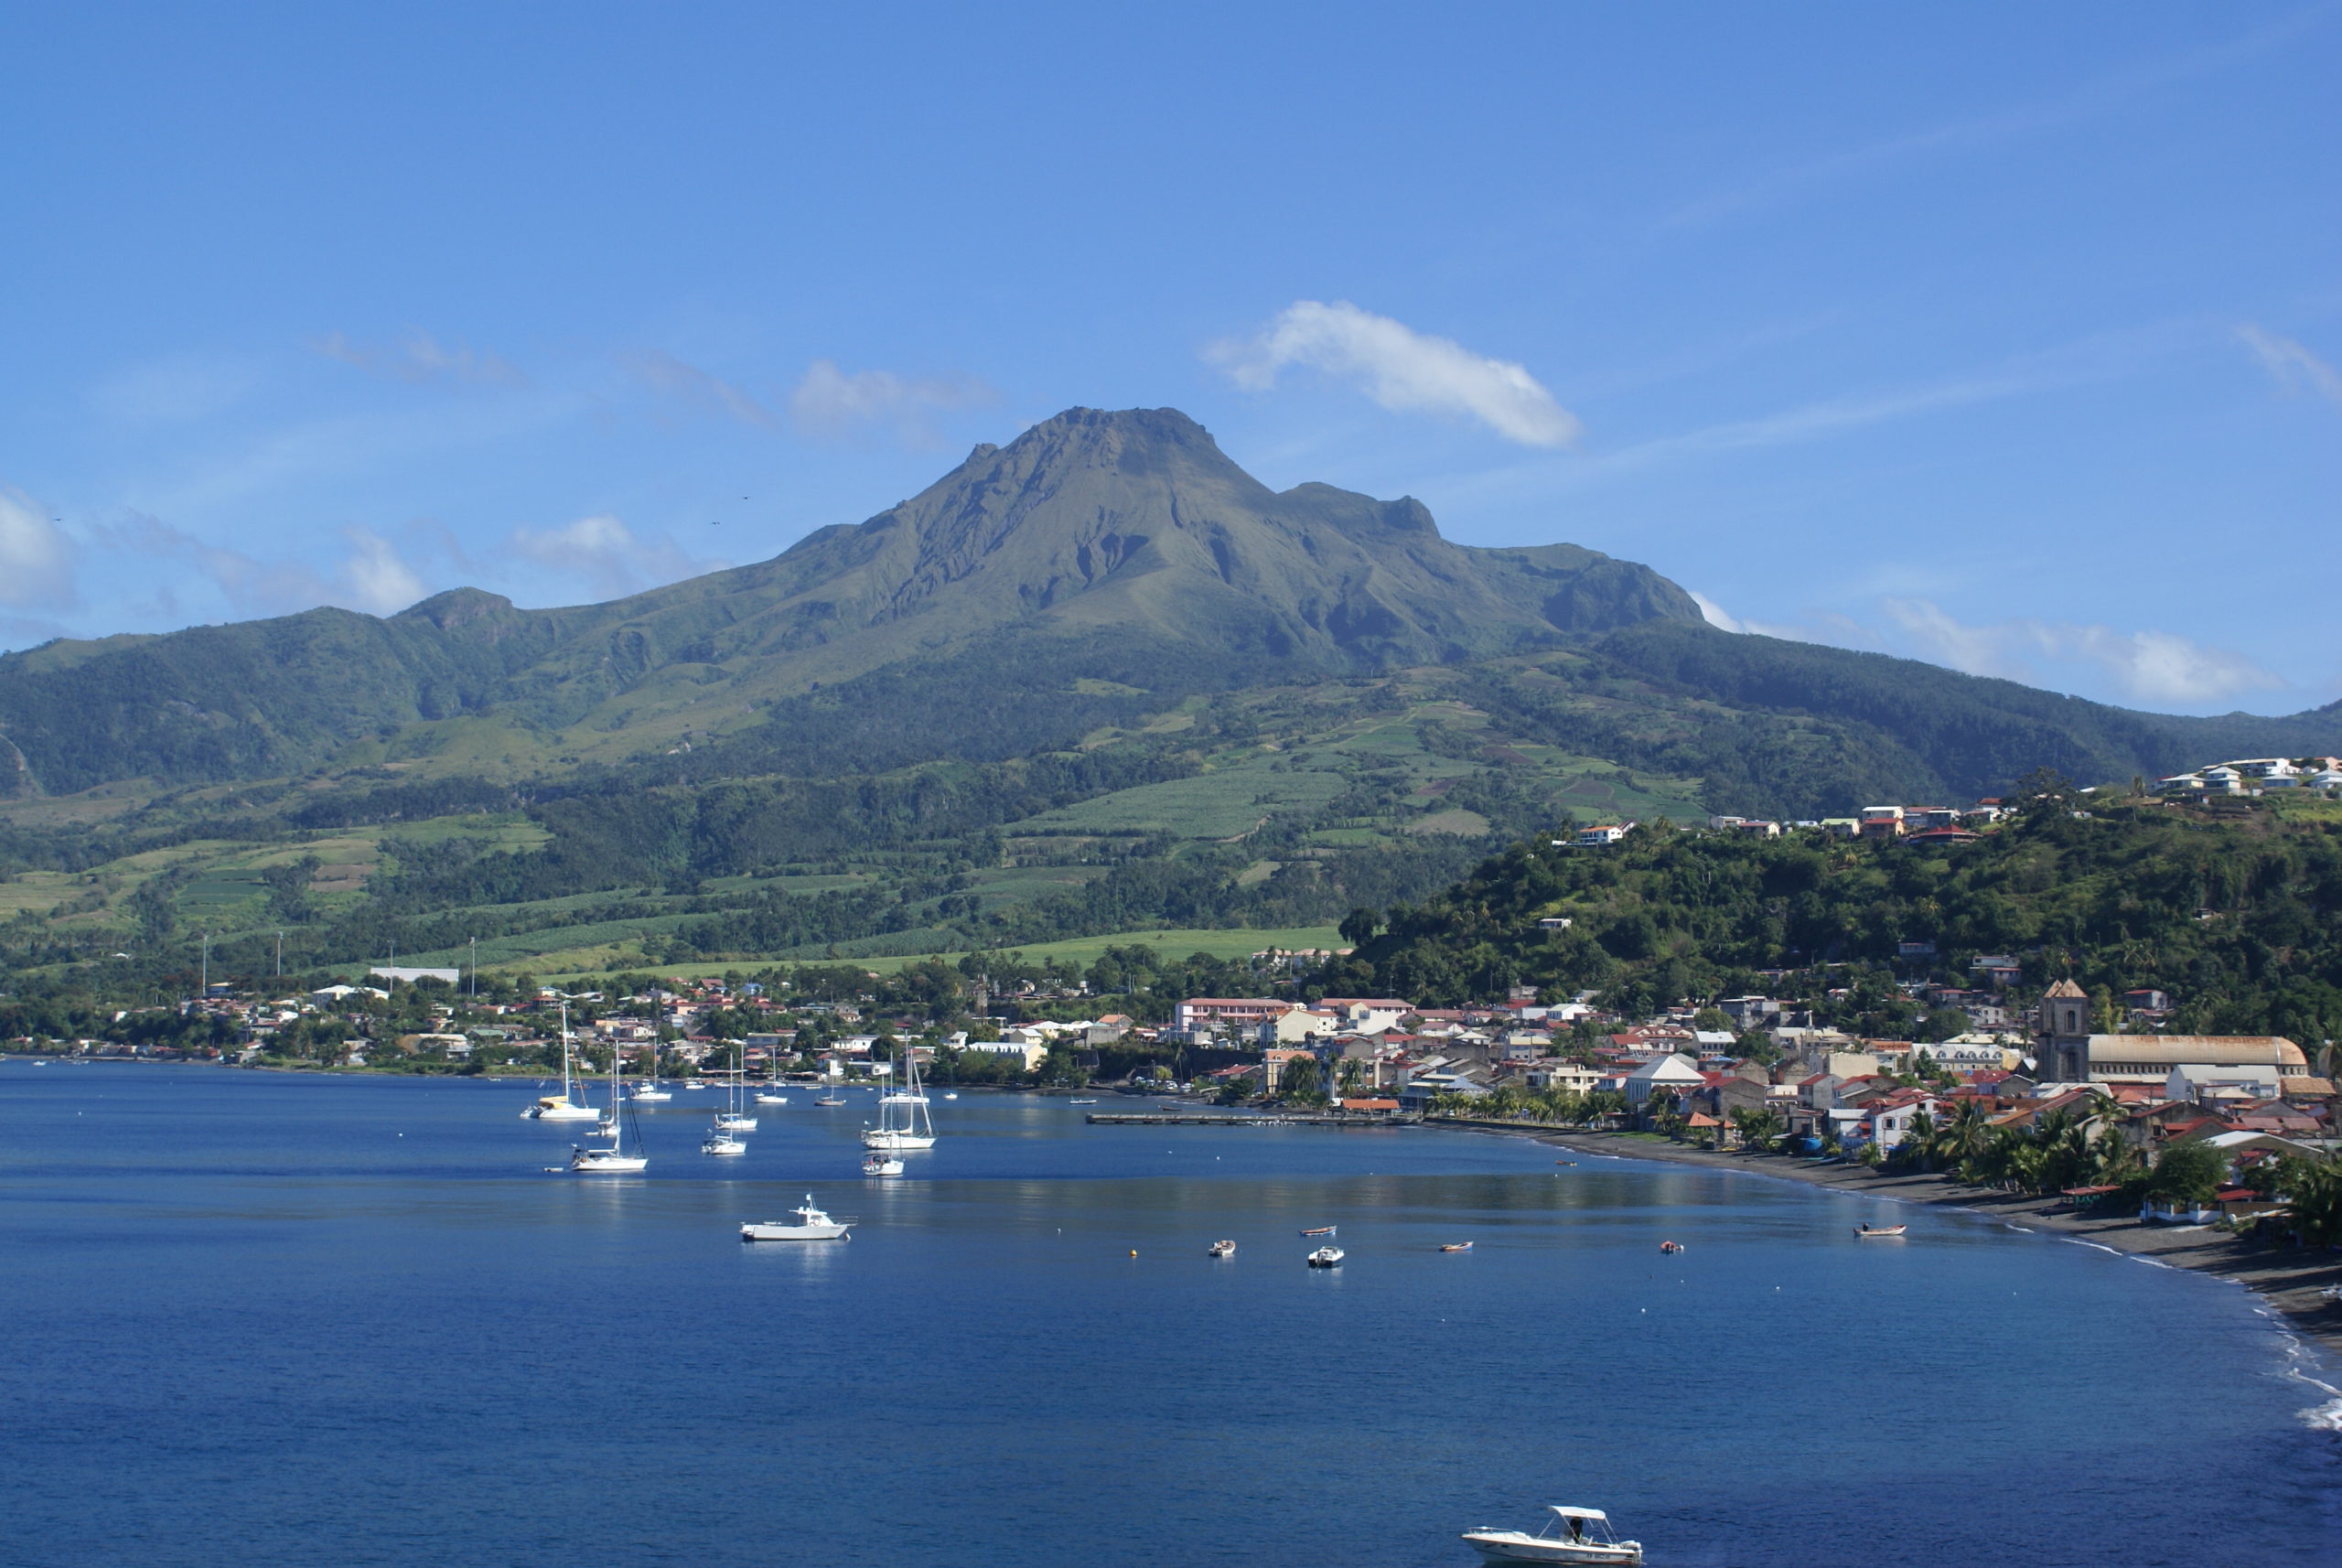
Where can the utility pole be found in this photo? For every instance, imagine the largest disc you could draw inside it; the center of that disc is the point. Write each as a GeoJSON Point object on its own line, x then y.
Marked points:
{"type": "Point", "coordinates": [203, 992]}
{"type": "Point", "coordinates": [280, 955]}
{"type": "Point", "coordinates": [475, 969]}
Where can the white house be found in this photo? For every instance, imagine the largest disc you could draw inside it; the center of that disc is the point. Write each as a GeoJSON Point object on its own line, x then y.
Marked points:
{"type": "Point", "coordinates": [1662, 1075]}
{"type": "Point", "coordinates": [2194, 1080]}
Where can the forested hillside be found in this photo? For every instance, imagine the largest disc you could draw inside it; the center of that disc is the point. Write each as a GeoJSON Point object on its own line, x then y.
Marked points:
{"type": "Point", "coordinates": [2238, 918]}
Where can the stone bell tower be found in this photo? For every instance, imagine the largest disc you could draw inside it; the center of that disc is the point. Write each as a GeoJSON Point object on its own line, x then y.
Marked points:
{"type": "Point", "coordinates": [2064, 1050]}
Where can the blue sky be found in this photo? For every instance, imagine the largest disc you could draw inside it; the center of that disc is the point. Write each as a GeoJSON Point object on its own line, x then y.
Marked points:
{"type": "Point", "coordinates": [2005, 336]}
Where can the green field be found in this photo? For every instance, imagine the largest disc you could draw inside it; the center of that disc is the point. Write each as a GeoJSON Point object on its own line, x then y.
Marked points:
{"type": "Point", "coordinates": [1079, 950]}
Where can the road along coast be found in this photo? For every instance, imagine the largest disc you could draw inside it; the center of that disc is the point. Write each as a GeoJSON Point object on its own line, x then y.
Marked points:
{"type": "Point", "coordinates": [2291, 1279]}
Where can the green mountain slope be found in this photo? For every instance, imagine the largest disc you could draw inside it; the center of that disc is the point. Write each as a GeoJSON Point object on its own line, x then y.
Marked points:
{"type": "Point", "coordinates": [1105, 546]}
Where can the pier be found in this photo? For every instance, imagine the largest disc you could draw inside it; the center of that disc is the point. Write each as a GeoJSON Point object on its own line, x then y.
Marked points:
{"type": "Point", "coordinates": [1182, 1119]}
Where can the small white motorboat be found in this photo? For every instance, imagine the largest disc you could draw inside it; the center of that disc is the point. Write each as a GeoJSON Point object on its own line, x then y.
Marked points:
{"type": "Point", "coordinates": [765, 1097]}
{"type": "Point", "coordinates": [875, 1164]}
{"type": "Point", "coordinates": [1222, 1249]}
{"type": "Point", "coordinates": [1079, 1099]}
{"type": "Point", "coordinates": [649, 1096]}
{"type": "Point", "coordinates": [1571, 1535]}
{"type": "Point", "coordinates": [1872, 1233]}
{"type": "Point", "coordinates": [1327, 1257]}
{"type": "Point", "coordinates": [951, 1094]}
{"type": "Point", "coordinates": [811, 1225]}
{"type": "Point", "coordinates": [721, 1143]}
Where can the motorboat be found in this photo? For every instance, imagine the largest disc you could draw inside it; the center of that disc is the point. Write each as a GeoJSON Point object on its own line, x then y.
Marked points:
{"type": "Point", "coordinates": [904, 1123]}
{"type": "Point", "coordinates": [1326, 1258]}
{"type": "Point", "coordinates": [697, 1083]}
{"type": "Point", "coordinates": [811, 1225]}
{"type": "Point", "coordinates": [1222, 1249]}
{"type": "Point", "coordinates": [876, 1164]}
{"type": "Point", "coordinates": [1079, 1099]}
{"type": "Point", "coordinates": [721, 1143]}
{"type": "Point", "coordinates": [652, 1094]}
{"type": "Point", "coordinates": [1872, 1233]}
{"type": "Point", "coordinates": [1571, 1535]}
{"type": "Point", "coordinates": [1456, 1247]}
{"type": "Point", "coordinates": [767, 1097]}
{"type": "Point", "coordinates": [830, 1100]}
{"type": "Point", "coordinates": [1320, 1230]}
{"type": "Point", "coordinates": [951, 1094]}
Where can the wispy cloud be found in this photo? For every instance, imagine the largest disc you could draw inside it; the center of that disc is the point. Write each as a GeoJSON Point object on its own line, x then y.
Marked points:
{"type": "Point", "coordinates": [1400, 368]}
{"type": "Point", "coordinates": [695, 388]}
{"type": "Point", "coordinates": [2293, 366]}
{"type": "Point", "coordinates": [2085, 102]}
{"type": "Point", "coordinates": [830, 403]}
{"type": "Point", "coordinates": [374, 574]}
{"type": "Point", "coordinates": [36, 557]}
{"type": "Point", "coordinates": [2148, 666]}
{"type": "Point", "coordinates": [604, 555]}
{"type": "Point", "coordinates": [420, 357]}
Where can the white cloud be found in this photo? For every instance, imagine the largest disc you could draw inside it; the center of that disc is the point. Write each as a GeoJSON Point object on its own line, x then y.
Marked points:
{"type": "Point", "coordinates": [422, 358]}
{"type": "Point", "coordinates": [1400, 368]}
{"type": "Point", "coordinates": [2156, 667]}
{"type": "Point", "coordinates": [603, 553]}
{"type": "Point", "coordinates": [2290, 364]}
{"type": "Point", "coordinates": [830, 402]}
{"type": "Point", "coordinates": [373, 577]}
{"type": "Point", "coordinates": [1842, 631]}
{"type": "Point", "coordinates": [36, 557]}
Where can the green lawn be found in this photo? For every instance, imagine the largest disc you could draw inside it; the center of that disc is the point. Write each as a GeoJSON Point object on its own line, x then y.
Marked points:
{"type": "Point", "coordinates": [1174, 942]}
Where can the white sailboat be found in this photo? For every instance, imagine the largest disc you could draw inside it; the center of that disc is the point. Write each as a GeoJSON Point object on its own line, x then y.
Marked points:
{"type": "Point", "coordinates": [651, 1091]}
{"type": "Point", "coordinates": [904, 1121]}
{"type": "Point", "coordinates": [733, 1117]}
{"type": "Point", "coordinates": [614, 1160]}
{"type": "Point", "coordinates": [570, 1104]}
{"type": "Point", "coordinates": [770, 1093]}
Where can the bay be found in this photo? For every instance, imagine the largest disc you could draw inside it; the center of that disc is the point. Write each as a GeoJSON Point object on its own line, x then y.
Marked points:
{"type": "Point", "coordinates": [256, 1318]}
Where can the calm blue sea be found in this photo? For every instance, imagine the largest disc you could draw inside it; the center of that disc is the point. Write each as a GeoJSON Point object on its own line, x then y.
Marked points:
{"type": "Point", "coordinates": [262, 1319]}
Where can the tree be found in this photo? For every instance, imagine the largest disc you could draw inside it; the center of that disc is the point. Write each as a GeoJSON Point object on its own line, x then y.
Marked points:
{"type": "Point", "coordinates": [1758, 1126]}
{"type": "Point", "coordinates": [2188, 1172]}
{"type": "Point", "coordinates": [2313, 1190]}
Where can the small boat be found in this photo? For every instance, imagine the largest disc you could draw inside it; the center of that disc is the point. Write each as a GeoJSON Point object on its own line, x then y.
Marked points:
{"type": "Point", "coordinates": [903, 1119]}
{"type": "Point", "coordinates": [1671, 1247]}
{"type": "Point", "coordinates": [1455, 1246]}
{"type": "Point", "coordinates": [651, 1094]}
{"type": "Point", "coordinates": [1869, 1232]}
{"type": "Point", "coordinates": [1320, 1230]}
{"type": "Point", "coordinates": [721, 1143]}
{"type": "Point", "coordinates": [1220, 1250]}
{"type": "Point", "coordinates": [1565, 1161]}
{"type": "Point", "coordinates": [1078, 1100]}
{"type": "Point", "coordinates": [696, 1083]}
{"type": "Point", "coordinates": [951, 1094]}
{"type": "Point", "coordinates": [1571, 1535]}
{"type": "Point", "coordinates": [1326, 1258]}
{"type": "Point", "coordinates": [829, 1099]}
{"type": "Point", "coordinates": [733, 1121]}
{"type": "Point", "coordinates": [875, 1164]}
{"type": "Point", "coordinates": [765, 1097]}
{"type": "Point", "coordinates": [811, 1225]}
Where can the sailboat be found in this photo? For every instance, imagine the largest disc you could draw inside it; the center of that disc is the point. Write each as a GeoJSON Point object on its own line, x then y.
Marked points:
{"type": "Point", "coordinates": [570, 1104]}
{"type": "Point", "coordinates": [614, 1160]}
{"type": "Point", "coordinates": [770, 1093]}
{"type": "Point", "coordinates": [733, 1117]}
{"type": "Point", "coordinates": [903, 1119]}
{"type": "Point", "coordinates": [648, 1093]}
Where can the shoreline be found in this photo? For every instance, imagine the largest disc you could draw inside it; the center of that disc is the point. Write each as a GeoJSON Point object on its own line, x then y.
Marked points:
{"type": "Point", "coordinates": [2288, 1279]}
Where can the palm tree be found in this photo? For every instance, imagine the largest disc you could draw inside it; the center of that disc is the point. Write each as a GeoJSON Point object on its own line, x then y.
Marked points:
{"type": "Point", "coordinates": [1970, 1135]}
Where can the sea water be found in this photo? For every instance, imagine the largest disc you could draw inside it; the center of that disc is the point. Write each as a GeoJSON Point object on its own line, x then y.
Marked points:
{"type": "Point", "coordinates": [273, 1319]}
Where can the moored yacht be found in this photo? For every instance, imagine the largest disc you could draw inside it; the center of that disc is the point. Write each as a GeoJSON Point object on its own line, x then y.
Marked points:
{"type": "Point", "coordinates": [1571, 1535]}
{"type": "Point", "coordinates": [569, 1105]}
{"type": "Point", "coordinates": [903, 1119]}
{"type": "Point", "coordinates": [614, 1160]}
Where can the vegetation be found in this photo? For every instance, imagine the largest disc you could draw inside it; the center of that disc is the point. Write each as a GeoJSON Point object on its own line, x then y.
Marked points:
{"type": "Point", "coordinates": [2239, 920]}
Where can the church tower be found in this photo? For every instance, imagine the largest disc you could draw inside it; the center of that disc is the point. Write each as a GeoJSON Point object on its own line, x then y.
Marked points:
{"type": "Point", "coordinates": [2064, 1054]}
